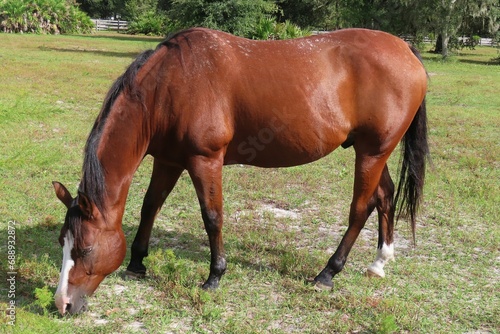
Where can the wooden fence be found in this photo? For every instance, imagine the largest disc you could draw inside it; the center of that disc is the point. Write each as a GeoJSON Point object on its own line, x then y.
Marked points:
{"type": "Point", "coordinates": [115, 25]}
{"type": "Point", "coordinates": [487, 41]}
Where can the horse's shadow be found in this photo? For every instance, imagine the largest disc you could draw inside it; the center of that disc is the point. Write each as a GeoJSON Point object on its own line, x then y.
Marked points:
{"type": "Point", "coordinates": [194, 247]}
{"type": "Point", "coordinates": [39, 258]}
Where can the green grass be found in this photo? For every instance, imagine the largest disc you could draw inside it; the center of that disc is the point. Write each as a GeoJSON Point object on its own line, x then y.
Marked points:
{"type": "Point", "coordinates": [51, 89]}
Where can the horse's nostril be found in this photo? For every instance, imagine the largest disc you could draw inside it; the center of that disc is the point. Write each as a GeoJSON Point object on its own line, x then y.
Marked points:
{"type": "Point", "coordinates": [68, 307]}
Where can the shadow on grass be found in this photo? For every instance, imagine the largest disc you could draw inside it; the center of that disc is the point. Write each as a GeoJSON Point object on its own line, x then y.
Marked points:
{"type": "Point", "coordinates": [286, 260]}
{"type": "Point", "coordinates": [131, 55]}
{"type": "Point", "coordinates": [38, 252]}
{"type": "Point", "coordinates": [479, 62]}
{"type": "Point", "coordinates": [39, 257]}
{"type": "Point", "coordinates": [123, 37]}
{"type": "Point", "coordinates": [460, 58]}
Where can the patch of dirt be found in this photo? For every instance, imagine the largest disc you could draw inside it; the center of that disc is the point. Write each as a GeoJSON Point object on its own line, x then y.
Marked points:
{"type": "Point", "coordinates": [135, 326]}
{"type": "Point", "coordinates": [278, 212]}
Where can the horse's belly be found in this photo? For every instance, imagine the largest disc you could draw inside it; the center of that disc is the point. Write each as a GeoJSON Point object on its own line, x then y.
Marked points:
{"type": "Point", "coordinates": [274, 147]}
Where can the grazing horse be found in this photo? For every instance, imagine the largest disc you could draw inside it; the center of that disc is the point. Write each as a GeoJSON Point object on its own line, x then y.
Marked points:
{"type": "Point", "coordinates": [204, 99]}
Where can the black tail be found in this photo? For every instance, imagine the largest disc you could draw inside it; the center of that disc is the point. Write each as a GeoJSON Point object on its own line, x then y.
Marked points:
{"type": "Point", "coordinates": [414, 153]}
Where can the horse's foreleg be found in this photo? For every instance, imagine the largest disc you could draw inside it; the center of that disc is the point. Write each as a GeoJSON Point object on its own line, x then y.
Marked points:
{"type": "Point", "coordinates": [385, 208]}
{"type": "Point", "coordinates": [163, 180]}
{"type": "Point", "coordinates": [367, 176]}
{"type": "Point", "coordinates": [206, 173]}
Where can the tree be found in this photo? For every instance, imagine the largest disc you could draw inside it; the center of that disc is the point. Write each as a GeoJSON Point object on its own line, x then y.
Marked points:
{"type": "Point", "coordinates": [454, 16]}
{"type": "Point", "coordinates": [102, 8]}
{"type": "Point", "coordinates": [448, 20]}
{"type": "Point", "coordinates": [492, 16]}
{"type": "Point", "coordinates": [235, 16]}
{"type": "Point", "coordinates": [317, 14]}
{"type": "Point", "coordinates": [335, 14]}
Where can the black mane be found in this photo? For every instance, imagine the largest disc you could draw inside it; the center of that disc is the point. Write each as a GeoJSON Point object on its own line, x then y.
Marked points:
{"type": "Point", "coordinates": [73, 223]}
{"type": "Point", "coordinates": [93, 183]}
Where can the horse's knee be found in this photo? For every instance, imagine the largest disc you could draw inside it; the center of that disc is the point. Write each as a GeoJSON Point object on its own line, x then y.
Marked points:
{"type": "Point", "coordinates": [212, 220]}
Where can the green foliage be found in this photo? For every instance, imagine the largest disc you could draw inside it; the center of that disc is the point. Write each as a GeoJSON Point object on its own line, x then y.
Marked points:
{"type": "Point", "coordinates": [75, 21]}
{"type": "Point", "coordinates": [400, 17]}
{"type": "Point", "coordinates": [388, 325]}
{"type": "Point", "coordinates": [149, 23]}
{"type": "Point", "coordinates": [44, 298]}
{"type": "Point", "coordinates": [135, 8]}
{"type": "Point", "coordinates": [146, 17]}
{"type": "Point", "coordinates": [235, 16]}
{"type": "Point", "coordinates": [264, 29]}
{"type": "Point", "coordinates": [173, 269]}
{"type": "Point", "coordinates": [457, 44]}
{"type": "Point", "coordinates": [43, 16]}
{"type": "Point", "coordinates": [253, 19]}
{"type": "Point", "coordinates": [102, 8]}
{"type": "Point", "coordinates": [267, 28]}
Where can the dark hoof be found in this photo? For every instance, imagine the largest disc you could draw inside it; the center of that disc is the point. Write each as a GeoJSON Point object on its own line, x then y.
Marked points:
{"type": "Point", "coordinates": [211, 284]}
{"type": "Point", "coordinates": [135, 271]}
{"type": "Point", "coordinates": [322, 284]}
{"type": "Point", "coordinates": [134, 275]}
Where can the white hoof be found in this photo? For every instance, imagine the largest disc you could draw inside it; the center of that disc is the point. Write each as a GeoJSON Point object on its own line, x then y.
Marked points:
{"type": "Point", "coordinates": [375, 271]}
{"type": "Point", "coordinates": [384, 255]}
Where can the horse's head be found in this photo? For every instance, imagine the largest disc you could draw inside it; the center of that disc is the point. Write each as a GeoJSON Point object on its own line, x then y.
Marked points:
{"type": "Point", "coordinates": [92, 250]}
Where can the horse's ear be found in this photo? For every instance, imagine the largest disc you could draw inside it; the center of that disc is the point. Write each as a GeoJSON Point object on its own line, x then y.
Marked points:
{"type": "Point", "coordinates": [63, 194]}
{"type": "Point", "coordinates": [85, 205]}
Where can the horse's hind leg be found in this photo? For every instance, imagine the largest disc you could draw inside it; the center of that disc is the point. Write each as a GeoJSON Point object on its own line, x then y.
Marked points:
{"type": "Point", "coordinates": [385, 207]}
{"type": "Point", "coordinates": [206, 174]}
{"type": "Point", "coordinates": [369, 168]}
{"type": "Point", "coordinates": [163, 180]}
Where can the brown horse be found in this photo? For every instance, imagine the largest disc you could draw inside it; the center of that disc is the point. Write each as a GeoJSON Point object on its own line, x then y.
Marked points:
{"type": "Point", "coordinates": [204, 99]}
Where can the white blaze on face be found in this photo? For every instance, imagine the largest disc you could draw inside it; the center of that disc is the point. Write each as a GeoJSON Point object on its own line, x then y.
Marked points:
{"type": "Point", "coordinates": [61, 296]}
{"type": "Point", "coordinates": [384, 255]}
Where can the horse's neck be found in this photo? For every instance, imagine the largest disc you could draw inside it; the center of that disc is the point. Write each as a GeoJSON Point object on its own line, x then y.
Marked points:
{"type": "Point", "coordinates": [124, 142]}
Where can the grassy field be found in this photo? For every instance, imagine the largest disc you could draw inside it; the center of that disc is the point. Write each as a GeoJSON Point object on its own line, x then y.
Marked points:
{"type": "Point", "coordinates": [281, 225]}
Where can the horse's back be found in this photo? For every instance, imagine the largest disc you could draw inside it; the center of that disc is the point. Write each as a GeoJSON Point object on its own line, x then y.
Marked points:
{"type": "Point", "coordinates": [281, 103]}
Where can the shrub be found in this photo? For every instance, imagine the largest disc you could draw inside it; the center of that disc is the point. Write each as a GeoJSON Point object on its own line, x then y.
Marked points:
{"type": "Point", "coordinates": [146, 17]}
{"type": "Point", "coordinates": [149, 23]}
{"type": "Point", "coordinates": [267, 28]}
{"type": "Point", "coordinates": [238, 17]}
{"type": "Point", "coordinates": [43, 16]}
{"type": "Point", "coordinates": [44, 298]}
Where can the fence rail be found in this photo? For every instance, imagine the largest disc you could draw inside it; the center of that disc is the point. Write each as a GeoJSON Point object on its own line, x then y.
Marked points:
{"type": "Point", "coordinates": [487, 41]}
{"type": "Point", "coordinates": [115, 25]}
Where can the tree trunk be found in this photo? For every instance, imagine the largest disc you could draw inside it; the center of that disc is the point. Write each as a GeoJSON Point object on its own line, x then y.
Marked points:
{"type": "Point", "coordinates": [439, 44]}
{"type": "Point", "coordinates": [444, 48]}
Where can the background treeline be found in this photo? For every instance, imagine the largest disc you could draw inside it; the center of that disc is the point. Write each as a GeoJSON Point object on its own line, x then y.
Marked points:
{"type": "Point", "coordinates": [274, 19]}
{"type": "Point", "coordinates": [446, 19]}
{"type": "Point", "coordinates": [480, 17]}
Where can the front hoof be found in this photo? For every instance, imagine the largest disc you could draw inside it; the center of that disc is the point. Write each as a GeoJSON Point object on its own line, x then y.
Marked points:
{"type": "Point", "coordinates": [134, 275]}
{"type": "Point", "coordinates": [211, 284]}
{"type": "Point", "coordinates": [321, 284]}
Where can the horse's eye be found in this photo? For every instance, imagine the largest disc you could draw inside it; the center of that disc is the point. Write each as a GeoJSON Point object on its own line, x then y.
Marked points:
{"type": "Point", "coordinates": [86, 251]}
